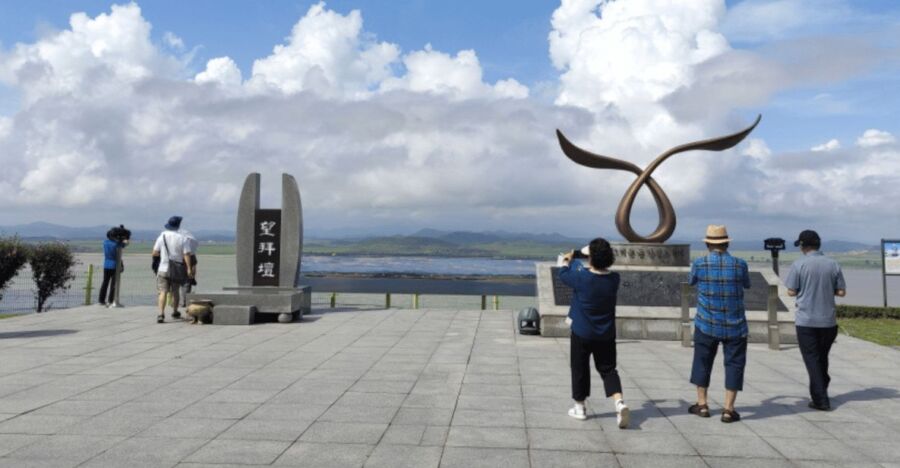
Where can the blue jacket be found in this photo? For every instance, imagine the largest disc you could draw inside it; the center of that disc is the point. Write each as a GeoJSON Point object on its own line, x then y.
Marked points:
{"type": "Point", "coordinates": [109, 254]}
{"type": "Point", "coordinates": [593, 309]}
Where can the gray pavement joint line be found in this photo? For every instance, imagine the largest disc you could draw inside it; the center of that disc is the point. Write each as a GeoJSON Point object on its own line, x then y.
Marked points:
{"type": "Point", "coordinates": [515, 327]}
{"type": "Point", "coordinates": [361, 336]}
{"type": "Point", "coordinates": [456, 403]}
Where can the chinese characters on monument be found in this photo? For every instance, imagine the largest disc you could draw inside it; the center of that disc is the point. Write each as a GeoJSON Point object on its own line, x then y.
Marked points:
{"type": "Point", "coordinates": [267, 242]}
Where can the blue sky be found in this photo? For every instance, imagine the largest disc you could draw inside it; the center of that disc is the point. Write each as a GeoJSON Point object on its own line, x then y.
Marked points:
{"type": "Point", "coordinates": [825, 74]}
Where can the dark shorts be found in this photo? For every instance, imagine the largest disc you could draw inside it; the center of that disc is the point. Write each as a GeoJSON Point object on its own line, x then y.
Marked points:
{"type": "Point", "coordinates": [705, 348]}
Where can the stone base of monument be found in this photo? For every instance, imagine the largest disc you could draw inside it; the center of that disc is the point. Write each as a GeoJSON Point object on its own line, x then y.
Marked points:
{"type": "Point", "coordinates": [242, 305]}
{"type": "Point", "coordinates": [649, 304]}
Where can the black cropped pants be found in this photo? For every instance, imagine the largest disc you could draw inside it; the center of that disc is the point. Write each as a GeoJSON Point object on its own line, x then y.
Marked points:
{"type": "Point", "coordinates": [604, 352]}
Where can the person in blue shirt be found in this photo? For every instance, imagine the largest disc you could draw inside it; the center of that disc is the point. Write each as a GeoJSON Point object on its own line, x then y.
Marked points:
{"type": "Point", "coordinates": [593, 321]}
{"type": "Point", "coordinates": [721, 318]}
{"type": "Point", "coordinates": [108, 286]}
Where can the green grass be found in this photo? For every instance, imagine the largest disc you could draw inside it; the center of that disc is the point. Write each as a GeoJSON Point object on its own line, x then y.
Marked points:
{"type": "Point", "coordinates": [882, 331]}
{"type": "Point", "coordinates": [6, 316]}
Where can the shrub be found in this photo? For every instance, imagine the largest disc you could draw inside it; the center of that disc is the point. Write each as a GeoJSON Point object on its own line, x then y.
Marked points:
{"type": "Point", "coordinates": [51, 267]}
{"type": "Point", "coordinates": [13, 255]}
{"type": "Point", "coordinates": [855, 311]}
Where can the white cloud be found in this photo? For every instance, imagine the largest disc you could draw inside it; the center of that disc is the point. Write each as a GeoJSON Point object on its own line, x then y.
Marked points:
{"type": "Point", "coordinates": [173, 41]}
{"type": "Point", "coordinates": [765, 20]}
{"type": "Point", "coordinates": [874, 137]}
{"type": "Point", "coordinates": [830, 145]}
{"type": "Point", "coordinates": [221, 70]}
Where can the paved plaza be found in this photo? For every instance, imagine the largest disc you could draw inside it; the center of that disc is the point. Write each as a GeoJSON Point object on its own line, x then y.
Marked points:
{"type": "Point", "coordinates": [94, 387]}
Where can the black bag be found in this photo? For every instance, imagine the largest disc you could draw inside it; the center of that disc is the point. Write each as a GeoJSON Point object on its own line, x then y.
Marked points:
{"type": "Point", "coordinates": [154, 264]}
{"type": "Point", "coordinates": [177, 271]}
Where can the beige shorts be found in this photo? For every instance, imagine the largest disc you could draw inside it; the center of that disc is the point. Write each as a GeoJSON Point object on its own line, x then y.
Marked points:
{"type": "Point", "coordinates": [164, 284]}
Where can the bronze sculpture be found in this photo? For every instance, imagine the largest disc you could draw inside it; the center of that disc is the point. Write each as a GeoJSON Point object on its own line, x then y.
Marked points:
{"type": "Point", "coordinates": [666, 225]}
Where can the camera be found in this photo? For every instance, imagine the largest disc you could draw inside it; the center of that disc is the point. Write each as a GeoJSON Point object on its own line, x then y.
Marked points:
{"type": "Point", "coordinates": [119, 234]}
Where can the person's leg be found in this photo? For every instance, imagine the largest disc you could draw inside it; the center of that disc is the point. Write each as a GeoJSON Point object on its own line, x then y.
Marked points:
{"type": "Point", "coordinates": [735, 351]}
{"type": "Point", "coordinates": [162, 286]}
{"type": "Point", "coordinates": [705, 348]}
{"type": "Point", "coordinates": [176, 296]}
{"type": "Point", "coordinates": [112, 287]}
{"type": "Point", "coordinates": [101, 299]}
{"type": "Point", "coordinates": [826, 339]}
{"type": "Point", "coordinates": [604, 353]}
{"type": "Point", "coordinates": [808, 342]}
{"type": "Point", "coordinates": [580, 363]}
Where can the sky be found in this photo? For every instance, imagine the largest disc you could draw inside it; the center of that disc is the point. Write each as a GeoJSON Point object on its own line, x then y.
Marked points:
{"type": "Point", "coordinates": [406, 114]}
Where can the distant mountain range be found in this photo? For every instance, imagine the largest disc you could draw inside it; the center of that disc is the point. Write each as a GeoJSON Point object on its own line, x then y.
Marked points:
{"type": "Point", "coordinates": [422, 242]}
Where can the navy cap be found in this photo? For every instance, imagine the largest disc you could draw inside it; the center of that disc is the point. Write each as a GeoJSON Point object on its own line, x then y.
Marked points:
{"type": "Point", "coordinates": [174, 223]}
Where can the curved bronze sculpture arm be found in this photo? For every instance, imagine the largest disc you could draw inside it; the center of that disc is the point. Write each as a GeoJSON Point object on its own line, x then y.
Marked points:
{"type": "Point", "coordinates": [664, 208]}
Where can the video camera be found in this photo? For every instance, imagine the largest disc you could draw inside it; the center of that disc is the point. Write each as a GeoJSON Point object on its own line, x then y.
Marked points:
{"type": "Point", "coordinates": [119, 234]}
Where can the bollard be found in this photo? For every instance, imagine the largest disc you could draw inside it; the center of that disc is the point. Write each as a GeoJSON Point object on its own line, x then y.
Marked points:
{"type": "Point", "coordinates": [685, 330]}
{"type": "Point", "coordinates": [774, 331]}
{"type": "Point", "coordinates": [333, 299]}
{"type": "Point", "coordinates": [483, 302]}
{"type": "Point", "coordinates": [416, 301]}
{"type": "Point", "coordinates": [387, 301]}
{"type": "Point", "coordinates": [89, 286]}
{"type": "Point", "coordinates": [496, 302]}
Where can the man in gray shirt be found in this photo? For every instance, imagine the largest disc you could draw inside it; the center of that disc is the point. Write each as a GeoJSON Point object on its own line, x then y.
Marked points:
{"type": "Point", "coordinates": [815, 280]}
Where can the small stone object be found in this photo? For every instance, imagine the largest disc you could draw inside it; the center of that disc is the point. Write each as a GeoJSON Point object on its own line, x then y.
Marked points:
{"type": "Point", "coordinates": [285, 318]}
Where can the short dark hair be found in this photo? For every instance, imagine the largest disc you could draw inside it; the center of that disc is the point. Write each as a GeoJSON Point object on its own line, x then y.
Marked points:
{"type": "Point", "coordinates": [602, 256]}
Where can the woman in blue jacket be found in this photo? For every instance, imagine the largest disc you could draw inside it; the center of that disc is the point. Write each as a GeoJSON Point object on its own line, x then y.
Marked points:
{"type": "Point", "coordinates": [593, 322]}
{"type": "Point", "coordinates": [109, 269]}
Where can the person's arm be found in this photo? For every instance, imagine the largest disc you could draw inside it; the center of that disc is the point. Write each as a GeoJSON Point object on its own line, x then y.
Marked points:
{"type": "Point", "coordinates": [157, 246]}
{"type": "Point", "coordinates": [792, 282]}
{"type": "Point", "coordinates": [187, 263]}
{"type": "Point", "coordinates": [566, 272]}
{"type": "Point", "coordinates": [840, 286]}
{"type": "Point", "coordinates": [746, 272]}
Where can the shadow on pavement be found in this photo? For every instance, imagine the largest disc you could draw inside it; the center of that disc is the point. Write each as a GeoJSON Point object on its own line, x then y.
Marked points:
{"type": "Point", "coordinates": [35, 333]}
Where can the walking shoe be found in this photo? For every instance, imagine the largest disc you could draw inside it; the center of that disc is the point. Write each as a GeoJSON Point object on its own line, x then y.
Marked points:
{"type": "Point", "coordinates": [623, 414]}
{"type": "Point", "coordinates": [578, 412]}
{"type": "Point", "coordinates": [176, 315]}
{"type": "Point", "coordinates": [819, 407]}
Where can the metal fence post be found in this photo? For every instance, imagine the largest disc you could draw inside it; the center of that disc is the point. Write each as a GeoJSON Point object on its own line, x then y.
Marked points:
{"type": "Point", "coordinates": [387, 301]}
{"type": "Point", "coordinates": [415, 301]}
{"type": "Point", "coordinates": [89, 286]}
{"type": "Point", "coordinates": [772, 308]}
{"type": "Point", "coordinates": [333, 299]}
{"type": "Point", "coordinates": [496, 302]}
{"type": "Point", "coordinates": [685, 329]}
{"type": "Point", "coordinates": [483, 302]}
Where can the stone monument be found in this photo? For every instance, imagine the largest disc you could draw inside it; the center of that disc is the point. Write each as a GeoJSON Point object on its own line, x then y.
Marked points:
{"type": "Point", "coordinates": [268, 252]}
{"type": "Point", "coordinates": [652, 272]}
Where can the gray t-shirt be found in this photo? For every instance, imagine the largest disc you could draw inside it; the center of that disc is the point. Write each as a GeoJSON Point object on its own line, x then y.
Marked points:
{"type": "Point", "coordinates": [815, 277]}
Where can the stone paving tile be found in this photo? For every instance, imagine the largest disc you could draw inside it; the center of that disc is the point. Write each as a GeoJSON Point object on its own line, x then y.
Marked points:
{"type": "Point", "coordinates": [430, 416]}
{"type": "Point", "coordinates": [816, 449]}
{"type": "Point", "coordinates": [731, 446]}
{"type": "Point", "coordinates": [570, 459]}
{"type": "Point", "coordinates": [325, 455]}
{"type": "Point", "coordinates": [198, 428]}
{"type": "Point", "coordinates": [493, 437]}
{"type": "Point", "coordinates": [404, 456]}
{"type": "Point", "coordinates": [12, 442]}
{"type": "Point", "coordinates": [345, 433]}
{"type": "Point", "coordinates": [63, 449]}
{"type": "Point", "coordinates": [485, 418]}
{"type": "Point", "coordinates": [137, 452]}
{"type": "Point", "coordinates": [38, 424]}
{"type": "Point", "coordinates": [245, 452]}
{"type": "Point", "coordinates": [633, 460]}
{"type": "Point", "coordinates": [561, 439]}
{"type": "Point", "coordinates": [360, 413]}
{"type": "Point", "coordinates": [649, 443]}
{"type": "Point", "coordinates": [273, 429]}
{"type": "Point", "coordinates": [467, 457]}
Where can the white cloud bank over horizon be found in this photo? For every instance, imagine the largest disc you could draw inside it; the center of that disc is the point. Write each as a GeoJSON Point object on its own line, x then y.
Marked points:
{"type": "Point", "coordinates": [113, 125]}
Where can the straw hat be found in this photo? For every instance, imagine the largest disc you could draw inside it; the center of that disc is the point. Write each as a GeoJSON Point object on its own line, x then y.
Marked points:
{"type": "Point", "coordinates": [716, 234]}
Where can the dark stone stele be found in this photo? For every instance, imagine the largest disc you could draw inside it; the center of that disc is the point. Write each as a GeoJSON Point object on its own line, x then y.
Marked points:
{"type": "Point", "coordinates": [663, 289]}
{"type": "Point", "coordinates": [267, 259]}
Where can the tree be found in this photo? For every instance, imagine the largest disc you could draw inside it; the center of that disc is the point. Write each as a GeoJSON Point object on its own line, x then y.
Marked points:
{"type": "Point", "coordinates": [13, 255]}
{"type": "Point", "coordinates": [51, 267]}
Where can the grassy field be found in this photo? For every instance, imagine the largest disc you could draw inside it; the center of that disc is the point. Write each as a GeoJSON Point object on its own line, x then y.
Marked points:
{"type": "Point", "coordinates": [882, 331]}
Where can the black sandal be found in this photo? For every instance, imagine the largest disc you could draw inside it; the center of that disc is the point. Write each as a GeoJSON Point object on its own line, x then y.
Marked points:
{"type": "Point", "coordinates": [699, 410]}
{"type": "Point", "coordinates": [730, 416]}
{"type": "Point", "coordinates": [160, 318]}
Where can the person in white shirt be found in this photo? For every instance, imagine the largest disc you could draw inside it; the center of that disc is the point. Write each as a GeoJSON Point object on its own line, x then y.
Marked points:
{"type": "Point", "coordinates": [193, 244]}
{"type": "Point", "coordinates": [174, 266]}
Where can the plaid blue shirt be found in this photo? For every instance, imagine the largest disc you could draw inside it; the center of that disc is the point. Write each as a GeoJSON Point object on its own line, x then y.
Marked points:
{"type": "Point", "coordinates": [720, 280]}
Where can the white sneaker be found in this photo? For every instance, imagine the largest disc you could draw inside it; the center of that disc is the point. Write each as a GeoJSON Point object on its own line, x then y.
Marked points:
{"type": "Point", "coordinates": [578, 412]}
{"type": "Point", "coordinates": [623, 414]}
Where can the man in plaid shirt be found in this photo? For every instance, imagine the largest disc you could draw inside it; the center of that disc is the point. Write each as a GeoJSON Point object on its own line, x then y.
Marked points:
{"type": "Point", "coordinates": [720, 280]}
